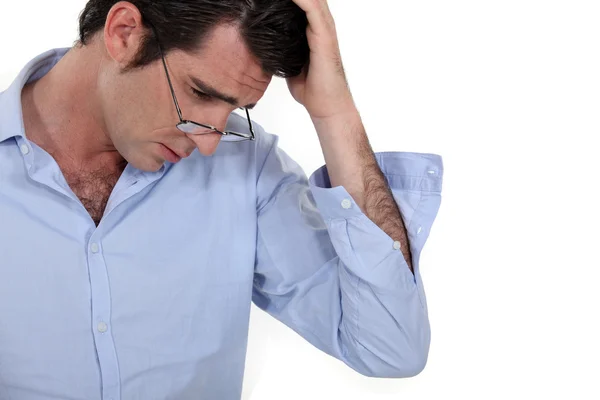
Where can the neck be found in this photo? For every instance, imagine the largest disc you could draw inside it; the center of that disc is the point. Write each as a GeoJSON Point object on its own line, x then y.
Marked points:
{"type": "Point", "coordinates": [62, 112]}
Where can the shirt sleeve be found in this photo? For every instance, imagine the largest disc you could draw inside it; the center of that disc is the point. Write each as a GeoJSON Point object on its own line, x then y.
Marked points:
{"type": "Point", "coordinates": [328, 272]}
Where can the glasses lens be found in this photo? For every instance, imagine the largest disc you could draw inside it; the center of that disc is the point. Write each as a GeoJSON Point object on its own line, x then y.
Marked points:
{"type": "Point", "coordinates": [234, 137]}
{"type": "Point", "coordinates": [192, 128]}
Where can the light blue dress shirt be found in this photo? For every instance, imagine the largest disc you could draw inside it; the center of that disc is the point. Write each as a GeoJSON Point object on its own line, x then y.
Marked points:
{"type": "Point", "coordinates": [154, 303]}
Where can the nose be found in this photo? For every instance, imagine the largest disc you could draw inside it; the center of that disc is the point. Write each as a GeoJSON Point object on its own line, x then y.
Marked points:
{"type": "Point", "coordinates": [208, 140]}
{"type": "Point", "coordinates": [206, 143]}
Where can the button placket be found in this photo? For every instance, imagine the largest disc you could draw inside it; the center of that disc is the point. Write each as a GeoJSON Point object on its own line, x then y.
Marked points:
{"type": "Point", "coordinates": [101, 315]}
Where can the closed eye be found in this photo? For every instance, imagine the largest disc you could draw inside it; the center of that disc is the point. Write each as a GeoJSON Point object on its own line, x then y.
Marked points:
{"type": "Point", "coordinates": [201, 95]}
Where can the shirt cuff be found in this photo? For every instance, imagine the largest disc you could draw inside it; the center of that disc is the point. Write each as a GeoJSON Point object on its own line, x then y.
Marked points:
{"type": "Point", "coordinates": [403, 170]}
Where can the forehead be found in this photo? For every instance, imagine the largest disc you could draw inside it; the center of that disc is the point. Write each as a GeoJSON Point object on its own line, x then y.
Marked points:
{"type": "Point", "coordinates": [226, 63]}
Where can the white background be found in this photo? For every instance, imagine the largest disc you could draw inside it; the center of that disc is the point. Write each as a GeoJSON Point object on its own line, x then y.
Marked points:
{"type": "Point", "coordinates": [508, 92]}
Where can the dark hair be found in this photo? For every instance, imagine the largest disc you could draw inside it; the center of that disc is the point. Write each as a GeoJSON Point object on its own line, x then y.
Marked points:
{"type": "Point", "coordinates": [273, 30]}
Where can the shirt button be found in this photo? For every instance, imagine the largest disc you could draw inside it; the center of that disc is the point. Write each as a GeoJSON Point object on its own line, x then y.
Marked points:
{"type": "Point", "coordinates": [102, 327]}
{"type": "Point", "coordinates": [397, 245]}
{"type": "Point", "coordinates": [24, 149]}
{"type": "Point", "coordinates": [94, 247]}
{"type": "Point", "coordinates": [346, 204]}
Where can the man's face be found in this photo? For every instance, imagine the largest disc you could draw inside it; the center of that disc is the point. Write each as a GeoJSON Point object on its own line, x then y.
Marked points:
{"type": "Point", "coordinates": [138, 108]}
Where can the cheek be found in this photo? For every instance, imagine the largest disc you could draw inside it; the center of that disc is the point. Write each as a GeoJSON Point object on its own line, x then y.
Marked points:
{"type": "Point", "coordinates": [149, 119]}
{"type": "Point", "coordinates": [149, 104]}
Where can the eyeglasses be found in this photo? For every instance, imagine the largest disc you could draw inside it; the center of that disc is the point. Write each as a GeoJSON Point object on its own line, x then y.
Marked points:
{"type": "Point", "coordinates": [196, 128]}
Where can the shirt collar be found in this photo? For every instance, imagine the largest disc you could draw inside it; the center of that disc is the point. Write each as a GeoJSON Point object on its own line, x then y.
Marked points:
{"type": "Point", "coordinates": [11, 111]}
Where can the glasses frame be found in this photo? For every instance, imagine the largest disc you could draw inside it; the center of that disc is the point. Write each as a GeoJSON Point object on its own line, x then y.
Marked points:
{"type": "Point", "coordinates": [235, 136]}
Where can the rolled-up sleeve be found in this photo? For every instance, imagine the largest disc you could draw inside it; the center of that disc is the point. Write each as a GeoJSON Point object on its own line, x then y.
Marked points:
{"type": "Point", "coordinates": [327, 271]}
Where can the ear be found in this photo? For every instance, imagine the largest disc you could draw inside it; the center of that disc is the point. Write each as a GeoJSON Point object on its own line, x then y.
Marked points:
{"type": "Point", "coordinates": [123, 32]}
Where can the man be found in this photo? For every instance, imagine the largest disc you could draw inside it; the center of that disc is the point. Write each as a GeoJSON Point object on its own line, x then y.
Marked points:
{"type": "Point", "coordinates": [128, 260]}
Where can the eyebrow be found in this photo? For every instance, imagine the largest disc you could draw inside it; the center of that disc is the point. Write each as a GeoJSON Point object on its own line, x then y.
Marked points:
{"type": "Point", "coordinates": [209, 90]}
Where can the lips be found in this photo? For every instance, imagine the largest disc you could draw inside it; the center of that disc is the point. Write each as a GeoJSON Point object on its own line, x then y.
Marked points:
{"type": "Point", "coordinates": [169, 154]}
{"type": "Point", "coordinates": [179, 153]}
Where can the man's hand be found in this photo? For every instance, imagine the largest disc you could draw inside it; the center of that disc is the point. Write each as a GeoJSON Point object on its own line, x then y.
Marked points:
{"type": "Point", "coordinates": [322, 87]}
{"type": "Point", "coordinates": [324, 92]}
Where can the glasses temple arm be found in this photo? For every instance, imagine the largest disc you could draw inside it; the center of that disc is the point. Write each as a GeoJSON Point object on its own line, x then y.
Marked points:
{"type": "Point", "coordinates": [250, 122]}
{"type": "Point", "coordinates": [162, 56]}
{"type": "Point", "coordinates": [171, 88]}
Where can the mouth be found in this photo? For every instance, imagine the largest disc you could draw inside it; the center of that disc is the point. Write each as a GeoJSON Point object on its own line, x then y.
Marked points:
{"type": "Point", "coordinates": [170, 155]}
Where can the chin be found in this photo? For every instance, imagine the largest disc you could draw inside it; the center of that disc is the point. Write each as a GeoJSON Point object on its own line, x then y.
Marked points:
{"type": "Point", "coordinates": [151, 166]}
{"type": "Point", "coordinates": [145, 158]}
{"type": "Point", "coordinates": [147, 164]}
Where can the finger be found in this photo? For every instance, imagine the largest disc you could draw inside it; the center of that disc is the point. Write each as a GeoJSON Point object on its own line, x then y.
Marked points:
{"type": "Point", "coordinates": [310, 6]}
{"type": "Point", "coordinates": [318, 14]}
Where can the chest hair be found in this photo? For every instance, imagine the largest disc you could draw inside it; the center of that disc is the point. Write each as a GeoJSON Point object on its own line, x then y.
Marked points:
{"type": "Point", "coordinates": [93, 188]}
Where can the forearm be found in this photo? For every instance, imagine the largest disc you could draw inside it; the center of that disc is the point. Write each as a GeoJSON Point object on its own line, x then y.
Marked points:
{"type": "Point", "coordinates": [351, 163]}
